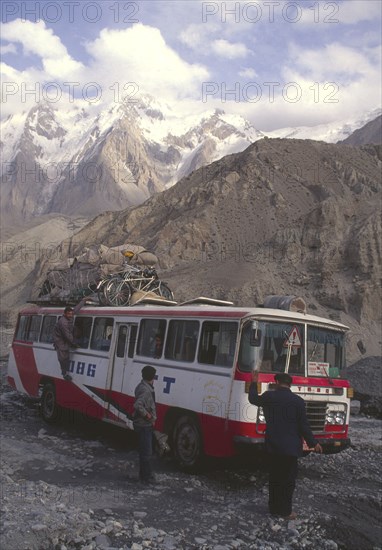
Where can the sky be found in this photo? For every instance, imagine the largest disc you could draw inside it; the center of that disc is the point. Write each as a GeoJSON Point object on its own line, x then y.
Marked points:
{"type": "Point", "coordinates": [278, 63]}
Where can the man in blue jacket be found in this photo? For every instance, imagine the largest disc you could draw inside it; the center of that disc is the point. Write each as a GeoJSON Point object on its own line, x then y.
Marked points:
{"type": "Point", "coordinates": [287, 425]}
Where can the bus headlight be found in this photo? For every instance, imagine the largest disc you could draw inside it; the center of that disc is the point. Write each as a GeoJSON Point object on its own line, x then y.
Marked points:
{"type": "Point", "coordinates": [335, 418]}
{"type": "Point", "coordinates": [340, 418]}
{"type": "Point", "coordinates": [260, 415]}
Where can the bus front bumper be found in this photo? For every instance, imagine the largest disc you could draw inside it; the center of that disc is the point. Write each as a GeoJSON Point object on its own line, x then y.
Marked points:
{"type": "Point", "coordinates": [329, 445]}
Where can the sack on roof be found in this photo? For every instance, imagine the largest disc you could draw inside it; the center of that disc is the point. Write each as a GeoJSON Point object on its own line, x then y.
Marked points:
{"type": "Point", "coordinates": [90, 255]}
{"type": "Point", "coordinates": [130, 253]}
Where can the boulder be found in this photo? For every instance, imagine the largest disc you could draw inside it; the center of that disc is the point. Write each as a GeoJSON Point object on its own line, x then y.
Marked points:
{"type": "Point", "coordinates": [365, 377]}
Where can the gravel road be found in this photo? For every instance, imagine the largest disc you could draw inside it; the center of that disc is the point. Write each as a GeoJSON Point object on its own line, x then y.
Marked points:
{"type": "Point", "coordinates": [74, 486]}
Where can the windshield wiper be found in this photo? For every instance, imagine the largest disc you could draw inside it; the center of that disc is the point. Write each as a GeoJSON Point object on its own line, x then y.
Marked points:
{"type": "Point", "coordinates": [289, 353]}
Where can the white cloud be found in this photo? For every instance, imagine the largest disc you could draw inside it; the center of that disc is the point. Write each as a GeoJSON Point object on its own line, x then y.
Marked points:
{"type": "Point", "coordinates": [198, 37]}
{"type": "Point", "coordinates": [333, 61]}
{"type": "Point", "coordinates": [354, 11]}
{"type": "Point", "coordinates": [228, 49]}
{"type": "Point", "coordinates": [336, 81]}
{"type": "Point", "coordinates": [37, 39]}
{"type": "Point", "coordinates": [140, 54]}
{"type": "Point", "coordinates": [8, 48]}
{"type": "Point", "coordinates": [316, 87]}
{"type": "Point", "coordinates": [248, 73]}
{"type": "Point", "coordinates": [137, 57]}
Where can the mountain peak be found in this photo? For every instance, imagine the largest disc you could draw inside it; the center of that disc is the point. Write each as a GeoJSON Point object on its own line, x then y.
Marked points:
{"type": "Point", "coordinates": [118, 156]}
{"type": "Point", "coordinates": [41, 120]}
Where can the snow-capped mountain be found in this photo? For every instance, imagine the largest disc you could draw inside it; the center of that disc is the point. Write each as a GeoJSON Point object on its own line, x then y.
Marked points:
{"type": "Point", "coordinates": [83, 161]}
{"type": "Point", "coordinates": [76, 162]}
{"type": "Point", "coordinates": [332, 132]}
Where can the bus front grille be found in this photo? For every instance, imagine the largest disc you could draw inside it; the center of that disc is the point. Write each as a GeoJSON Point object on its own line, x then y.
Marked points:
{"type": "Point", "coordinates": [316, 413]}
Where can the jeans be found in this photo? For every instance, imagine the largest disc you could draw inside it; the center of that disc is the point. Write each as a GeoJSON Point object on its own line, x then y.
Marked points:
{"type": "Point", "coordinates": [145, 447]}
{"type": "Point", "coordinates": [282, 482]}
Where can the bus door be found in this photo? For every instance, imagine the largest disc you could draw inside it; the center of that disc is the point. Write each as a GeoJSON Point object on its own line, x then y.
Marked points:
{"type": "Point", "coordinates": [117, 403]}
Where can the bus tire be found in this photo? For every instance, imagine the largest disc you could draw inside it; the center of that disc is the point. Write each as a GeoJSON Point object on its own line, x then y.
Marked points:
{"type": "Point", "coordinates": [187, 443]}
{"type": "Point", "coordinates": [50, 411]}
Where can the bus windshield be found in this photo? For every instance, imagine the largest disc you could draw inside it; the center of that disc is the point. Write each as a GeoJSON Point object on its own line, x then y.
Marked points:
{"type": "Point", "coordinates": [276, 346]}
{"type": "Point", "coordinates": [326, 352]}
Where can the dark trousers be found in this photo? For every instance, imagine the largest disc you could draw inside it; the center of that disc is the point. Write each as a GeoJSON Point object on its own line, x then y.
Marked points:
{"type": "Point", "coordinates": [64, 360]}
{"type": "Point", "coordinates": [145, 448]}
{"type": "Point", "coordinates": [282, 481]}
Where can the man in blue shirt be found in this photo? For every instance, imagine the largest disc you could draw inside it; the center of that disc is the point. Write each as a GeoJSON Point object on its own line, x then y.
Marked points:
{"type": "Point", "coordinates": [287, 425]}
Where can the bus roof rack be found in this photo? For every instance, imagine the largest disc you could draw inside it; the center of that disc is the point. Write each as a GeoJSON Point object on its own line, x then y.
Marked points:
{"type": "Point", "coordinates": [153, 301]}
{"type": "Point", "coordinates": [52, 303]}
{"type": "Point", "coordinates": [288, 303]}
{"type": "Point", "coordinates": [206, 301]}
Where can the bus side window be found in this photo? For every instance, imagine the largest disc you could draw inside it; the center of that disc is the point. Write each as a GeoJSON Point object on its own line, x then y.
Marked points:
{"type": "Point", "coordinates": [48, 325]}
{"type": "Point", "coordinates": [102, 333]}
{"type": "Point", "coordinates": [207, 349]}
{"type": "Point", "coordinates": [181, 340]}
{"type": "Point", "coordinates": [121, 342]}
{"type": "Point", "coordinates": [22, 327]}
{"type": "Point", "coordinates": [34, 328]}
{"type": "Point", "coordinates": [132, 340]}
{"type": "Point", "coordinates": [217, 343]}
{"type": "Point", "coordinates": [150, 330]}
{"type": "Point", "coordinates": [82, 330]}
{"type": "Point", "coordinates": [227, 344]}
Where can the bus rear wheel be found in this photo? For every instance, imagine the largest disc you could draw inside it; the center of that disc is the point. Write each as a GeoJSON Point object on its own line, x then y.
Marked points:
{"type": "Point", "coordinates": [50, 411]}
{"type": "Point", "coordinates": [187, 443]}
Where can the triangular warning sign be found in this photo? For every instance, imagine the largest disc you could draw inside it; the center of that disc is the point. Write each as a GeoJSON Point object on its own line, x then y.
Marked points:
{"type": "Point", "coordinates": [294, 339]}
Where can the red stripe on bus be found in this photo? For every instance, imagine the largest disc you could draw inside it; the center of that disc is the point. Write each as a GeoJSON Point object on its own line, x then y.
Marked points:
{"type": "Point", "coordinates": [27, 368]}
{"type": "Point", "coordinates": [297, 380]}
{"type": "Point", "coordinates": [70, 396]}
{"type": "Point", "coordinates": [336, 431]}
{"type": "Point", "coordinates": [11, 382]}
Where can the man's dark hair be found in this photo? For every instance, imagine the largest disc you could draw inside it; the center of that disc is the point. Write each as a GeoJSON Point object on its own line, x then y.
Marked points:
{"type": "Point", "coordinates": [148, 373]}
{"type": "Point", "coordinates": [283, 378]}
{"type": "Point", "coordinates": [67, 309]}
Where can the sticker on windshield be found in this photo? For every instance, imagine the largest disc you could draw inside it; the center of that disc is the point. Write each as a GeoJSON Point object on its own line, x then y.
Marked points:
{"type": "Point", "coordinates": [294, 339]}
{"type": "Point", "coordinates": [318, 369]}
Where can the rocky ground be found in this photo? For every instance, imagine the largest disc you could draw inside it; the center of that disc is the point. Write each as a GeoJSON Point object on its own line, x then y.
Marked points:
{"type": "Point", "coordinates": [74, 486]}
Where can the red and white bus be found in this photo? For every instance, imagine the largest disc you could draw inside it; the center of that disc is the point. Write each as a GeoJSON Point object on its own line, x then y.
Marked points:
{"type": "Point", "coordinates": [203, 369]}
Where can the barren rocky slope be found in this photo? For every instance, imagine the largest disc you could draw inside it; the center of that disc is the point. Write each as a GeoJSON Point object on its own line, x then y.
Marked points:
{"type": "Point", "coordinates": [283, 217]}
{"type": "Point", "coordinates": [370, 133]}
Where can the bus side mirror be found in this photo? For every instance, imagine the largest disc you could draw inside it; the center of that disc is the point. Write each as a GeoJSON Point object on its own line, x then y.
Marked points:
{"type": "Point", "coordinates": [255, 339]}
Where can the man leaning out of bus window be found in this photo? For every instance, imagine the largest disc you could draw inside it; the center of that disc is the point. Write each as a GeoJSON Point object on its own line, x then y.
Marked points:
{"type": "Point", "coordinates": [63, 338]}
{"type": "Point", "coordinates": [286, 426]}
{"type": "Point", "coordinates": [144, 419]}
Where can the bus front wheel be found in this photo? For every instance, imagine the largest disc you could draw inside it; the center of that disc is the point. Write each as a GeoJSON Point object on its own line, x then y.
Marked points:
{"type": "Point", "coordinates": [50, 411]}
{"type": "Point", "coordinates": [187, 443]}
